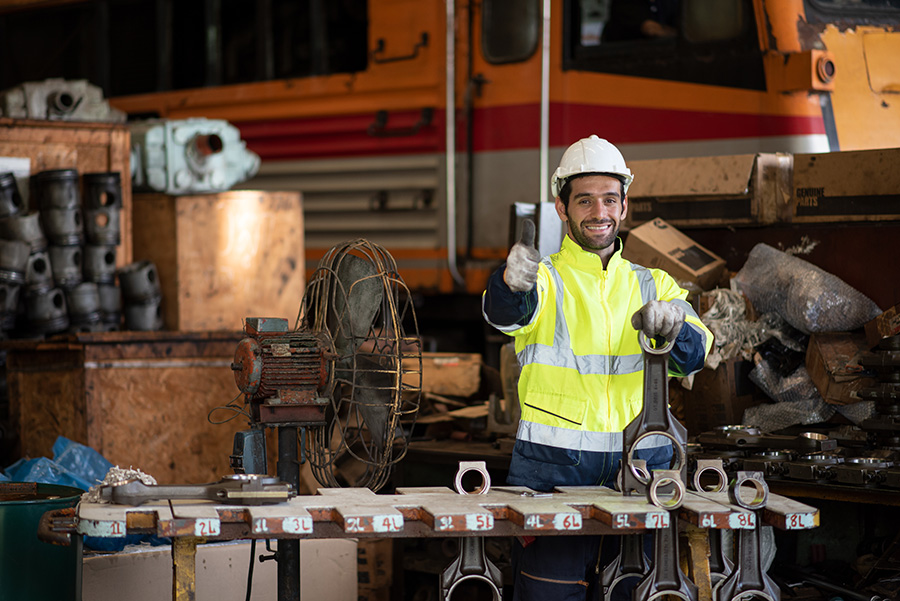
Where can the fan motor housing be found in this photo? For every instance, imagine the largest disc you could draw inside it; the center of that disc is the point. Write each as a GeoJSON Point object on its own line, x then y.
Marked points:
{"type": "Point", "coordinates": [281, 373]}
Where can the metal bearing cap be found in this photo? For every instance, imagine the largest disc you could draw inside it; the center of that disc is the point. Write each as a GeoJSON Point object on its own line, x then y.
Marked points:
{"type": "Point", "coordinates": [714, 466]}
{"type": "Point", "coordinates": [647, 346]}
{"type": "Point", "coordinates": [663, 478]}
{"type": "Point", "coordinates": [469, 466]}
{"type": "Point", "coordinates": [678, 450]}
{"type": "Point", "coordinates": [756, 480]}
{"type": "Point", "coordinates": [637, 466]}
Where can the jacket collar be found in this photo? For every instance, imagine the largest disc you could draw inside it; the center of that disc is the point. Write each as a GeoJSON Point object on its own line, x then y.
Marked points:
{"type": "Point", "coordinates": [573, 254]}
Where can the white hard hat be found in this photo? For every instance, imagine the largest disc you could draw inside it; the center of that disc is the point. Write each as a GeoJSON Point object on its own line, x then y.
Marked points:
{"type": "Point", "coordinates": [590, 155]}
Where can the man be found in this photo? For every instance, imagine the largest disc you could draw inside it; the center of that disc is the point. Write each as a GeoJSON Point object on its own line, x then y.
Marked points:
{"type": "Point", "coordinates": [575, 316]}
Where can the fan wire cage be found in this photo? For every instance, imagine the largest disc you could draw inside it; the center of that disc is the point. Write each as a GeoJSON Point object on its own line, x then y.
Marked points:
{"type": "Point", "coordinates": [360, 305]}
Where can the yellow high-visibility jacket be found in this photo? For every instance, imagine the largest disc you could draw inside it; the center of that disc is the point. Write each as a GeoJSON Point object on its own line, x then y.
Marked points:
{"type": "Point", "coordinates": [582, 366]}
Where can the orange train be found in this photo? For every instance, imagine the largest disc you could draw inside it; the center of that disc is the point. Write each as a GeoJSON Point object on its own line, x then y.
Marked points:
{"type": "Point", "coordinates": [362, 112]}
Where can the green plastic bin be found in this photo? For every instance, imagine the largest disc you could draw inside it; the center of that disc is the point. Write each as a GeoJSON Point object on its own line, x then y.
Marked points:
{"type": "Point", "coordinates": [31, 569]}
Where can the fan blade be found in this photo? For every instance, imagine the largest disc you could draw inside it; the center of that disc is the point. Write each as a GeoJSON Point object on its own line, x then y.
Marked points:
{"type": "Point", "coordinates": [373, 390]}
{"type": "Point", "coordinates": [357, 298]}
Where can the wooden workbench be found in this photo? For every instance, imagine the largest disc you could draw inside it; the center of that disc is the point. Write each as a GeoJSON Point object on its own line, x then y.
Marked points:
{"type": "Point", "coordinates": [424, 512]}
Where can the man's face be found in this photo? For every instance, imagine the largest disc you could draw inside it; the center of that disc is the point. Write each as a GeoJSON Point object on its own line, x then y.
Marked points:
{"type": "Point", "coordinates": [595, 212]}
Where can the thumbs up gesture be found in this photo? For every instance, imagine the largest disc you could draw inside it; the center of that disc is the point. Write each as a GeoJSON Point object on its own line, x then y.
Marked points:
{"type": "Point", "coordinates": [522, 263]}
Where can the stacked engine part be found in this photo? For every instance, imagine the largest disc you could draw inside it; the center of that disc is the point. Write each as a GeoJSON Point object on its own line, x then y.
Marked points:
{"type": "Point", "coordinates": [58, 257]}
{"type": "Point", "coordinates": [808, 457]}
{"type": "Point", "coordinates": [189, 156]}
{"type": "Point", "coordinates": [884, 361]}
{"type": "Point", "coordinates": [59, 100]}
{"type": "Point", "coordinates": [142, 296]}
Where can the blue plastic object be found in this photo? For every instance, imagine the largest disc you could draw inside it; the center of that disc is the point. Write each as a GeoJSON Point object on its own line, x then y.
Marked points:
{"type": "Point", "coordinates": [73, 464]}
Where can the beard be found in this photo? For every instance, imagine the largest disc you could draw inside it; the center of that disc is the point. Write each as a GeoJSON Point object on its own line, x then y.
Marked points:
{"type": "Point", "coordinates": [594, 241]}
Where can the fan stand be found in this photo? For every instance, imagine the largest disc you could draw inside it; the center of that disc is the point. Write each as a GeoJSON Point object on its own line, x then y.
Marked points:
{"type": "Point", "coordinates": [288, 554]}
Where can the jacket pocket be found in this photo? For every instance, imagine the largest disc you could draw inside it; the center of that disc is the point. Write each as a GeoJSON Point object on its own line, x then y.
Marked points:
{"type": "Point", "coordinates": [565, 408]}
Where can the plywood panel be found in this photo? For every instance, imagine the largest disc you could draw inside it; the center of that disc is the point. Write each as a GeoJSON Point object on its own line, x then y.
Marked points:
{"type": "Point", "coordinates": [57, 379]}
{"type": "Point", "coordinates": [155, 418]}
{"type": "Point", "coordinates": [223, 257]}
{"type": "Point", "coordinates": [140, 399]}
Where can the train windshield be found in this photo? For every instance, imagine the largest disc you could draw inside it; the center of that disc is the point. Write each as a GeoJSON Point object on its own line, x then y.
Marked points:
{"type": "Point", "coordinates": [699, 41]}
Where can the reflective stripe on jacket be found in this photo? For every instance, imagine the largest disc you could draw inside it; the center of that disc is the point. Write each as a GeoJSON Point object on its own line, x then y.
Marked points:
{"type": "Point", "coordinates": [582, 367]}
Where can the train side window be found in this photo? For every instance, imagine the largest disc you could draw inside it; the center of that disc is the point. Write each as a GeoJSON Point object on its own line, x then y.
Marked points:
{"type": "Point", "coordinates": [510, 30]}
{"type": "Point", "coordinates": [852, 12]}
{"type": "Point", "coordinates": [712, 20]}
{"type": "Point", "coordinates": [710, 42]}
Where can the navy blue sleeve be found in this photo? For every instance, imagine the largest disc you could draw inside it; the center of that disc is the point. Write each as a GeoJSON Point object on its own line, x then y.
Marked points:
{"type": "Point", "coordinates": [688, 353]}
{"type": "Point", "coordinates": [503, 307]}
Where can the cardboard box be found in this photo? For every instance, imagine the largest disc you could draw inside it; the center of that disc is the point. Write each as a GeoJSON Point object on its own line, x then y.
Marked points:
{"type": "Point", "coordinates": [832, 363]}
{"type": "Point", "coordinates": [710, 191]}
{"type": "Point", "coordinates": [375, 563]}
{"type": "Point", "coordinates": [886, 324]}
{"type": "Point", "coordinates": [223, 257]}
{"type": "Point", "coordinates": [719, 397]}
{"type": "Point", "coordinates": [837, 187]}
{"type": "Point", "coordinates": [657, 244]}
{"type": "Point", "coordinates": [145, 573]}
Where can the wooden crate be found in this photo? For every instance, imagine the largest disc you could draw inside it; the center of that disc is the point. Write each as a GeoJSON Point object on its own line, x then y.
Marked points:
{"type": "Point", "coordinates": [223, 257]}
{"type": "Point", "coordinates": [140, 399]}
{"type": "Point", "coordinates": [86, 147]}
{"type": "Point", "coordinates": [453, 374]}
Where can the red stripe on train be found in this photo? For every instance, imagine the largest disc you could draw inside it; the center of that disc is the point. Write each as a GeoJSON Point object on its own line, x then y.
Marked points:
{"type": "Point", "coordinates": [508, 128]}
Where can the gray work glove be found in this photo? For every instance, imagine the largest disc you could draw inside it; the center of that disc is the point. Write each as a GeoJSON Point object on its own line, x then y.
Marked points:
{"type": "Point", "coordinates": [522, 264]}
{"type": "Point", "coordinates": [659, 318]}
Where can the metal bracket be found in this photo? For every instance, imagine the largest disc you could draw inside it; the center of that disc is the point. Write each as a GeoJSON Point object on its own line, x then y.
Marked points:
{"type": "Point", "coordinates": [379, 48]}
{"type": "Point", "coordinates": [378, 128]}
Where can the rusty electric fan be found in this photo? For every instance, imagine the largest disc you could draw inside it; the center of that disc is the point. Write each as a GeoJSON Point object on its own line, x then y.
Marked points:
{"type": "Point", "coordinates": [348, 374]}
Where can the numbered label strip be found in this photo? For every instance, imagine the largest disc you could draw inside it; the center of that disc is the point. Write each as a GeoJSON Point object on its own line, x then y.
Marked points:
{"type": "Point", "coordinates": [192, 519]}
{"type": "Point", "coordinates": [620, 512]}
{"type": "Point", "coordinates": [545, 514]}
{"type": "Point", "coordinates": [273, 520]}
{"type": "Point", "coordinates": [102, 520]}
{"type": "Point", "coordinates": [360, 510]}
{"type": "Point", "coordinates": [711, 510]}
{"type": "Point", "coordinates": [789, 514]}
{"type": "Point", "coordinates": [781, 512]}
{"type": "Point", "coordinates": [445, 510]}
{"type": "Point", "coordinates": [466, 519]}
